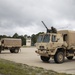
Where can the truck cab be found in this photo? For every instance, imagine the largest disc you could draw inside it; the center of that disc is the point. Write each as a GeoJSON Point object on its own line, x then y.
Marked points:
{"type": "Point", "coordinates": [49, 42]}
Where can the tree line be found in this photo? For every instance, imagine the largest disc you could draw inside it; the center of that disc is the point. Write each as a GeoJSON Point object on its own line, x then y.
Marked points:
{"type": "Point", "coordinates": [23, 37]}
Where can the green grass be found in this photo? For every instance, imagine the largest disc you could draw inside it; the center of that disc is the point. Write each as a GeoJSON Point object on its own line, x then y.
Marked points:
{"type": "Point", "coordinates": [12, 68]}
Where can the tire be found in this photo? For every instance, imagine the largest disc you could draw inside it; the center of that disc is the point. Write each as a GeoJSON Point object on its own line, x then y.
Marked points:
{"type": "Point", "coordinates": [70, 57]}
{"type": "Point", "coordinates": [11, 51]}
{"type": "Point", "coordinates": [59, 57]}
{"type": "Point", "coordinates": [45, 59]}
{"type": "Point", "coordinates": [16, 50]}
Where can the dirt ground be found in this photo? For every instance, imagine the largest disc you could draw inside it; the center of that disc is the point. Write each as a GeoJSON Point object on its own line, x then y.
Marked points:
{"type": "Point", "coordinates": [29, 57]}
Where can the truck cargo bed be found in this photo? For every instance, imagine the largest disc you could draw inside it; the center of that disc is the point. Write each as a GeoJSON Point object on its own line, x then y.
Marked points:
{"type": "Point", "coordinates": [11, 42]}
{"type": "Point", "coordinates": [70, 37]}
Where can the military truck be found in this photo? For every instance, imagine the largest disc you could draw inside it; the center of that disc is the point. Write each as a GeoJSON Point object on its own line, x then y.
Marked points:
{"type": "Point", "coordinates": [10, 44]}
{"type": "Point", "coordinates": [56, 45]}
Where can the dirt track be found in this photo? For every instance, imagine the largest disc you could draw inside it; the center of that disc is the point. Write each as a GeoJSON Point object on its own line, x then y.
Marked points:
{"type": "Point", "coordinates": [28, 56]}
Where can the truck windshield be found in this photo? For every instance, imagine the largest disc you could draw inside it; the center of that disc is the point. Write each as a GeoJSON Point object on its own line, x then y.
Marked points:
{"type": "Point", "coordinates": [40, 38]}
{"type": "Point", "coordinates": [44, 38]}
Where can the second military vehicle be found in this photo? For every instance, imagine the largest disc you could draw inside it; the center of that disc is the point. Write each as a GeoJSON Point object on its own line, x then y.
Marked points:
{"type": "Point", "coordinates": [56, 44]}
{"type": "Point", "coordinates": [10, 44]}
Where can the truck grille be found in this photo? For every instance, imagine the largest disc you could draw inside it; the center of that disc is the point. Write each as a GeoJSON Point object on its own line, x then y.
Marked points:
{"type": "Point", "coordinates": [41, 47]}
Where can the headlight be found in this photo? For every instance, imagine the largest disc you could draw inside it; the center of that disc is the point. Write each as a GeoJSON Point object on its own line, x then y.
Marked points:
{"type": "Point", "coordinates": [41, 47]}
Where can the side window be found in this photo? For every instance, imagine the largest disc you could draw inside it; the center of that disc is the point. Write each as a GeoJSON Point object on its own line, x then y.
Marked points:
{"type": "Point", "coordinates": [65, 37]}
{"type": "Point", "coordinates": [53, 38]}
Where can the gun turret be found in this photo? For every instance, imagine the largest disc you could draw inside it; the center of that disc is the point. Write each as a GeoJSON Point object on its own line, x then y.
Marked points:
{"type": "Point", "coordinates": [48, 30]}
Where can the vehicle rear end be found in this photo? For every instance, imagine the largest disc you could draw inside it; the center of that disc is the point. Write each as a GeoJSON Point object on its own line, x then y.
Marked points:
{"type": "Point", "coordinates": [69, 38]}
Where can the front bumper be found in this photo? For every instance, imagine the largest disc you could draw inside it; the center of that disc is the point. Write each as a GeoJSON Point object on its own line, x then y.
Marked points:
{"type": "Point", "coordinates": [42, 53]}
{"type": "Point", "coordinates": [45, 52]}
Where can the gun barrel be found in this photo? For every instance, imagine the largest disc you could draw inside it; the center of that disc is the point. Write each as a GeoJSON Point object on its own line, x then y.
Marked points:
{"type": "Point", "coordinates": [44, 24]}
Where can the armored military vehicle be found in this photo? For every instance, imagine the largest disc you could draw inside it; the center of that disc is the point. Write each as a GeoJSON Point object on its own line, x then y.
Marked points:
{"type": "Point", "coordinates": [56, 44]}
{"type": "Point", "coordinates": [10, 44]}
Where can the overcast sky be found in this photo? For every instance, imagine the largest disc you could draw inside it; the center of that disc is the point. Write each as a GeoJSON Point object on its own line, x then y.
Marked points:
{"type": "Point", "coordinates": [25, 16]}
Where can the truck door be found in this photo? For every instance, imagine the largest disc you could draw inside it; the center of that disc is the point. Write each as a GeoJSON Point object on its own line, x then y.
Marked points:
{"type": "Point", "coordinates": [54, 41]}
{"type": "Point", "coordinates": [57, 40]}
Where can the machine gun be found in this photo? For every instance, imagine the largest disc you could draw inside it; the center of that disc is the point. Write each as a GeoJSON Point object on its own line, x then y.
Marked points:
{"type": "Point", "coordinates": [52, 30]}
{"type": "Point", "coordinates": [48, 30]}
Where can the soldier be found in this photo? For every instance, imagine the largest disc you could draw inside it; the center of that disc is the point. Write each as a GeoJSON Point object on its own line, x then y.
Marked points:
{"type": "Point", "coordinates": [53, 30]}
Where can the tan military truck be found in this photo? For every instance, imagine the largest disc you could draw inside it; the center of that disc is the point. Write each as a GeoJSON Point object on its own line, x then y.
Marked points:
{"type": "Point", "coordinates": [56, 45]}
{"type": "Point", "coordinates": [10, 44]}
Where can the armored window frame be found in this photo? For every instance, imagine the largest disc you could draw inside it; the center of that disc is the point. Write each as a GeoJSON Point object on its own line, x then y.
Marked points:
{"type": "Point", "coordinates": [53, 38]}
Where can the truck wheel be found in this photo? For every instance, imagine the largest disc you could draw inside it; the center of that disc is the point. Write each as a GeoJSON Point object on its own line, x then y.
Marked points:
{"type": "Point", "coordinates": [16, 50]}
{"type": "Point", "coordinates": [59, 57]}
{"type": "Point", "coordinates": [45, 59]}
{"type": "Point", "coordinates": [11, 51]}
{"type": "Point", "coordinates": [70, 57]}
